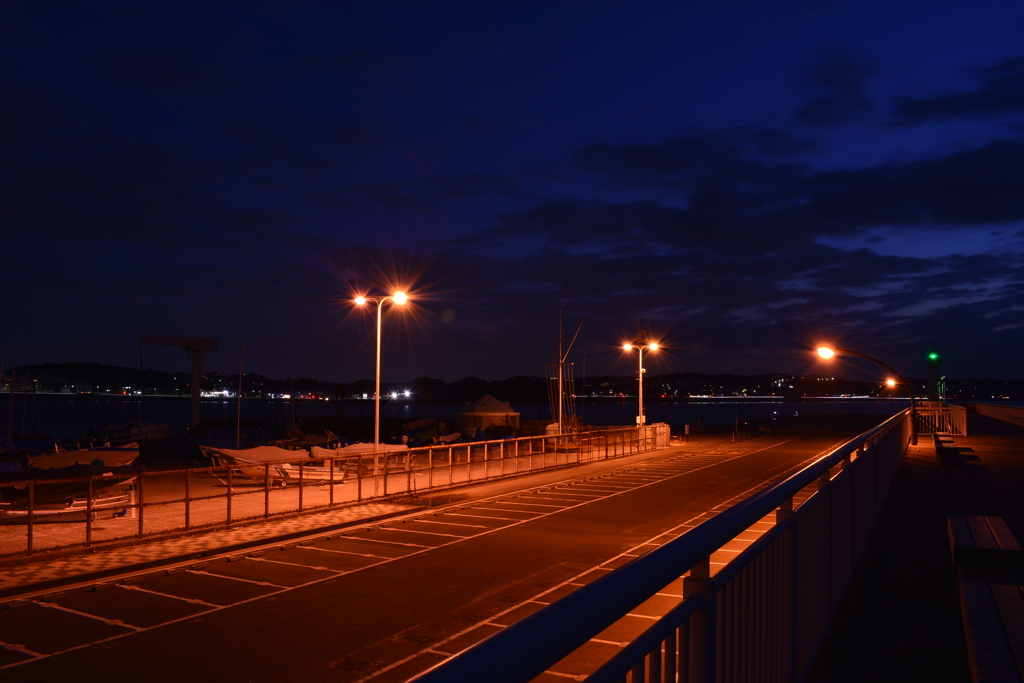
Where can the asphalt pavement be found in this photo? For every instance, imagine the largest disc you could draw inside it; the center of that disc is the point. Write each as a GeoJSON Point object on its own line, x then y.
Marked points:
{"type": "Point", "coordinates": [379, 602]}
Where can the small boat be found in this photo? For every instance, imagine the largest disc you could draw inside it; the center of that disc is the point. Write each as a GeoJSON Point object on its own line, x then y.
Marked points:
{"type": "Point", "coordinates": [104, 456]}
{"type": "Point", "coordinates": [61, 493]}
{"type": "Point", "coordinates": [138, 431]}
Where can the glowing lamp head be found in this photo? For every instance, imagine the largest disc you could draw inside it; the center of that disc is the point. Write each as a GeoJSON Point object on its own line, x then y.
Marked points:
{"type": "Point", "coordinates": [933, 356]}
{"type": "Point", "coordinates": [826, 352]}
{"type": "Point", "coordinates": [360, 300]}
{"type": "Point", "coordinates": [653, 346]}
{"type": "Point", "coordinates": [891, 382]}
{"type": "Point", "coordinates": [628, 347]}
{"type": "Point", "coordinates": [400, 298]}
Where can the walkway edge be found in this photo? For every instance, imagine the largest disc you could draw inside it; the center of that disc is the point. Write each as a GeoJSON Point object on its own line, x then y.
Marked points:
{"type": "Point", "coordinates": [27, 592]}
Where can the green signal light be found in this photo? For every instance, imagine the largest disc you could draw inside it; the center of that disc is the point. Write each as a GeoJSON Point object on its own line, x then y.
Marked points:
{"type": "Point", "coordinates": [933, 356]}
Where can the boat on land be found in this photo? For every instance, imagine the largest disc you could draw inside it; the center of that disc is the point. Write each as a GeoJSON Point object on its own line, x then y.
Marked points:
{"type": "Point", "coordinates": [317, 464]}
{"type": "Point", "coordinates": [103, 456]}
{"type": "Point", "coordinates": [61, 494]}
{"type": "Point", "coordinates": [137, 431]}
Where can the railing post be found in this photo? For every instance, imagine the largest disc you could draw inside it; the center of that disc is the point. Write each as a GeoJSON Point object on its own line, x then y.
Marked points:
{"type": "Point", "coordinates": [828, 543]}
{"type": "Point", "coordinates": [430, 467]}
{"type": "Point", "coordinates": [408, 472]}
{"type": "Point", "coordinates": [331, 462]}
{"type": "Point", "coordinates": [142, 504]}
{"type": "Point", "coordinates": [359, 478]}
{"type": "Point", "coordinates": [703, 646]}
{"type": "Point", "coordinates": [266, 489]}
{"type": "Point", "coordinates": [300, 485]}
{"type": "Point", "coordinates": [229, 497]}
{"type": "Point", "coordinates": [785, 520]}
{"type": "Point", "coordinates": [31, 514]}
{"type": "Point", "coordinates": [88, 512]}
{"type": "Point", "coordinates": [188, 499]}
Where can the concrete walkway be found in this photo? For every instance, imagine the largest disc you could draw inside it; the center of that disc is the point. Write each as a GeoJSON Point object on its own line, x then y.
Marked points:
{"type": "Point", "coordinates": [900, 620]}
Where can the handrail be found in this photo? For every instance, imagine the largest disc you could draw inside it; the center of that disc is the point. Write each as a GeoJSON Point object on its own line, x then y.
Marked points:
{"type": "Point", "coordinates": [558, 629]}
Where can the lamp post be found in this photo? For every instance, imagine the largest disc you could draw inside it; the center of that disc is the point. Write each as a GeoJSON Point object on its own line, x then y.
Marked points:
{"type": "Point", "coordinates": [640, 343]}
{"type": "Point", "coordinates": [399, 298]}
{"type": "Point", "coordinates": [828, 353]}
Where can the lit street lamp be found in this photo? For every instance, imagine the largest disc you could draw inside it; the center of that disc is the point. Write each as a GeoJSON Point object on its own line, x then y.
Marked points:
{"type": "Point", "coordinates": [399, 298]}
{"type": "Point", "coordinates": [828, 353]}
{"type": "Point", "coordinates": [640, 343]}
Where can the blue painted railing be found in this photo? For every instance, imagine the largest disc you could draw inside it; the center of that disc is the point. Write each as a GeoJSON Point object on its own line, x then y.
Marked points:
{"type": "Point", "coordinates": [760, 618]}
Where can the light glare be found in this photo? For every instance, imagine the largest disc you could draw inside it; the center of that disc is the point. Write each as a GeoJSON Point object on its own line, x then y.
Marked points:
{"type": "Point", "coordinates": [360, 300]}
{"type": "Point", "coordinates": [400, 298]}
{"type": "Point", "coordinates": [628, 347]}
{"type": "Point", "coordinates": [826, 352]}
{"type": "Point", "coordinates": [653, 346]}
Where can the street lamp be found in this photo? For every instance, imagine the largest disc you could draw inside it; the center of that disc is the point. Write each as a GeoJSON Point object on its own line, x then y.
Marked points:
{"type": "Point", "coordinates": [640, 343]}
{"type": "Point", "coordinates": [400, 298]}
{"type": "Point", "coordinates": [828, 353]}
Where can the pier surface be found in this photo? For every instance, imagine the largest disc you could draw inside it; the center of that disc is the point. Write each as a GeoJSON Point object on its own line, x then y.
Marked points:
{"type": "Point", "coordinates": [900, 620]}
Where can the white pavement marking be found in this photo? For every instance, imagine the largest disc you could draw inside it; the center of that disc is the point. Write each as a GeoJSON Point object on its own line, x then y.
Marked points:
{"type": "Point", "coordinates": [371, 526]}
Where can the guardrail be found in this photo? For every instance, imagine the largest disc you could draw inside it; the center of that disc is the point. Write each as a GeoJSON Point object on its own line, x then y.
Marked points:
{"type": "Point", "coordinates": [760, 618]}
{"type": "Point", "coordinates": [168, 501]}
{"type": "Point", "coordinates": [947, 419]}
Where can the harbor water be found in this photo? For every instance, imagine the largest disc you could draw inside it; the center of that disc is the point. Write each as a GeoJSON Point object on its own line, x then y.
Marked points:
{"type": "Point", "coordinates": [77, 416]}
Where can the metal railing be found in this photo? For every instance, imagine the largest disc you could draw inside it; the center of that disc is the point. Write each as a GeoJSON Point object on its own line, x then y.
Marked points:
{"type": "Point", "coordinates": [167, 501]}
{"type": "Point", "coordinates": [948, 419]}
{"type": "Point", "coordinates": [760, 618]}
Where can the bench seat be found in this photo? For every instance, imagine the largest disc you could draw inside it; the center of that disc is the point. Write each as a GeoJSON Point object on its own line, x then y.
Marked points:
{"type": "Point", "coordinates": [989, 563]}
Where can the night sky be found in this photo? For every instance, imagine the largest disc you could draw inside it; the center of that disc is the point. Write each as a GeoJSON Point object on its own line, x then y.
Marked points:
{"type": "Point", "coordinates": [747, 178]}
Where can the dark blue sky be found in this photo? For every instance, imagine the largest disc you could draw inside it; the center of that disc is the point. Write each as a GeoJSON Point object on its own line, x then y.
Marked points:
{"type": "Point", "coordinates": [746, 177]}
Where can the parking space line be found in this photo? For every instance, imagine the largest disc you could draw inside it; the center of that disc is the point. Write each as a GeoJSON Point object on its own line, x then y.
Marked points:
{"type": "Point", "coordinates": [236, 578]}
{"type": "Point", "coordinates": [194, 601]}
{"type": "Point", "coordinates": [94, 617]}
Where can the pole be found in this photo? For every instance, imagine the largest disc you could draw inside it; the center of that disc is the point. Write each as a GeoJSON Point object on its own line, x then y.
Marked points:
{"type": "Point", "coordinates": [238, 420]}
{"type": "Point", "coordinates": [910, 392]}
{"type": "Point", "coordinates": [376, 390]}
{"type": "Point", "coordinates": [561, 359]}
{"type": "Point", "coordinates": [197, 375]}
{"type": "Point", "coordinates": [640, 392]}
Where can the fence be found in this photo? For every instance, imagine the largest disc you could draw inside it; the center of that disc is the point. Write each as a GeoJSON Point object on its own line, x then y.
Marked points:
{"type": "Point", "coordinates": [939, 418]}
{"type": "Point", "coordinates": [760, 618]}
{"type": "Point", "coordinates": [1012, 414]}
{"type": "Point", "coordinates": [83, 511]}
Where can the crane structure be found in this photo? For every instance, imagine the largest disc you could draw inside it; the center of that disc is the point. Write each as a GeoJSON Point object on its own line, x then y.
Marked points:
{"type": "Point", "coordinates": [195, 348]}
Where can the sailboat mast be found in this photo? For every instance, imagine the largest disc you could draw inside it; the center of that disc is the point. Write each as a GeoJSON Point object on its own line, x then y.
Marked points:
{"type": "Point", "coordinates": [561, 361]}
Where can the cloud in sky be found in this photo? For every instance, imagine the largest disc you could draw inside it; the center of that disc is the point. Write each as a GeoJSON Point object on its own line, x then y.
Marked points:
{"type": "Point", "coordinates": [241, 176]}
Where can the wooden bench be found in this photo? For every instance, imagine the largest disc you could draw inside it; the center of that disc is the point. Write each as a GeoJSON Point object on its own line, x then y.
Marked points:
{"type": "Point", "coordinates": [990, 563]}
{"type": "Point", "coordinates": [945, 450]}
